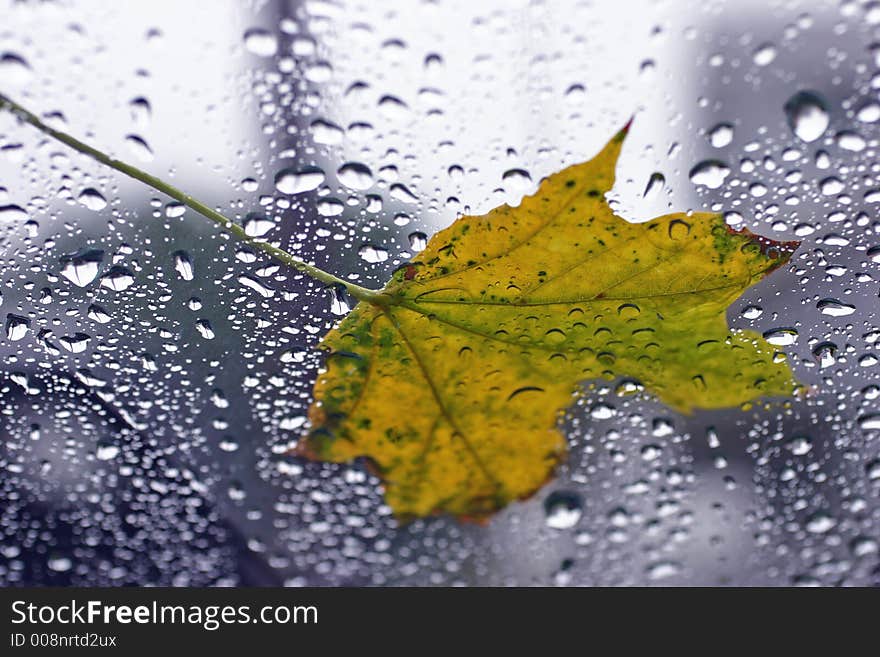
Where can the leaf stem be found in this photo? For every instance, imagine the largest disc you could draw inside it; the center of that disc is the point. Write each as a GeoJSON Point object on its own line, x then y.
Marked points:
{"type": "Point", "coordinates": [227, 224]}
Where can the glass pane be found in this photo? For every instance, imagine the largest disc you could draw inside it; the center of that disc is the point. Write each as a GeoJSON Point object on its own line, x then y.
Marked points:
{"type": "Point", "coordinates": [157, 372]}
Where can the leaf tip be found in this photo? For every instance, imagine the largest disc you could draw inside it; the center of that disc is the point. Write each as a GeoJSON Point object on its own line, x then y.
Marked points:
{"type": "Point", "coordinates": [624, 131]}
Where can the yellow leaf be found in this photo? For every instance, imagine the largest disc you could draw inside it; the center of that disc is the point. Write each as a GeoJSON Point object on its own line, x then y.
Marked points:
{"type": "Point", "coordinates": [453, 383]}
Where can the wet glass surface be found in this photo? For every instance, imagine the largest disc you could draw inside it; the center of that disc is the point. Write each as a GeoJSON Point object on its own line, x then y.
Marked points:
{"type": "Point", "coordinates": [155, 372]}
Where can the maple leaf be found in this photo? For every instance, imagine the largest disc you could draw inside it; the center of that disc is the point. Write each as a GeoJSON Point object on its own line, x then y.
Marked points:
{"type": "Point", "coordinates": [453, 381]}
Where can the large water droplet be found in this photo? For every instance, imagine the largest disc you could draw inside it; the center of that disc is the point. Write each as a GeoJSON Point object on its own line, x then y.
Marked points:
{"type": "Point", "coordinates": [138, 147]}
{"type": "Point", "coordinates": [117, 279]}
{"type": "Point", "coordinates": [92, 199]}
{"type": "Point", "coordinates": [290, 181]}
{"type": "Point", "coordinates": [183, 265]}
{"type": "Point", "coordinates": [260, 42]}
{"type": "Point", "coordinates": [16, 327]}
{"type": "Point", "coordinates": [709, 173]}
{"type": "Point", "coordinates": [781, 337]}
{"type": "Point", "coordinates": [562, 509]}
{"type": "Point", "coordinates": [807, 115]}
{"type": "Point", "coordinates": [14, 70]}
{"type": "Point", "coordinates": [835, 308]}
{"type": "Point", "coordinates": [655, 184]}
{"type": "Point", "coordinates": [82, 268]}
{"type": "Point", "coordinates": [355, 175]}
{"type": "Point", "coordinates": [257, 225]}
{"type": "Point", "coordinates": [721, 135]}
{"type": "Point", "coordinates": [12, 213]}
{"type": "Point", "coordinates": [372, 253]}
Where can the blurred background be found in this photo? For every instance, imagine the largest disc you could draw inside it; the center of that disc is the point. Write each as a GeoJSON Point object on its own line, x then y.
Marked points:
{"type": "Point", "coordinates": [154, 372]}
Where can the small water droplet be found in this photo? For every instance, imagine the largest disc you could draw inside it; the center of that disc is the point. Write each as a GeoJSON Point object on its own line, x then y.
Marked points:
{"type": "Point", "coordinates": [654, 186]}
{"type": "Point", "coordinates": [764, 54]}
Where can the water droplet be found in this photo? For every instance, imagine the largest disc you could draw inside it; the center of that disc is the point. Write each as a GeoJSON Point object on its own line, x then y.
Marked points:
{"type": "Point", "coordinates": [869, 113]}
{"type": "Point", "coordinates": [82, 268]}
{"type": "Point", "coordinates": [820, 523]}
{"type": "Point", "coordinates": [869, 422]}
{"type": "Point", "coordinates": [183, 265]}
{"type": "Point", "coordinates": [257, 225]}
{"type": "Point", "coordinates": [401, 193]}
{"type": "Point", "coordinates": [831, 186]}
{"type": "Point", "coordinates": [117, 279]}
{"type": "Point", "coordinates": [138, 147]}
{"type": "Point", "coordinates": [721, 135]}
{"type": "Point", "coordinates": [663, 570]}
{"type": "Point", "coordinates": [330, 207]}
{"type": "Point", "coordinates": [141, 112]}
{"type": "Point", "coordinates": [16, 327]}
{"type": "Point", "coordinates": [12, 213]}
{"type": "Point", "coordinates": [752, 312]}
{"type": "Point", "coordinates": [75, 344]}
{"type": "Point", "coordinates": [562, 510]}
{"type": "Point", "coordinates": [418, 241]}
{"type": "Point", "coordinates": [800, 445]}
{"type": "Point", "coordinates": [14, 70]}
{"type": "Point", "coordinates": [825, 354]}
{"type": "Point", "coordinates": [289, 181]}
{"type": "Point", "coordinates": [174, 209]}
{"type": "Point", "coordinates": [59, 564]}
{"type": "Point", "coordinates": [260, 42]}
{"type": "Point", "coordinates": [835, 308]}
{"type": "Point", "coordinates": [393, 108]}
{"type": "Point", "coordinates": [602, 412]}
{"type": "Point", "coordinates": [325, 132]}
{"type": "Point", "coordinates": [338, 301]}
{"type": "Point", "coordinates": [203, 326]}
{"type": "Point", "coordinates": [355, 176]}
{"type": "Point", "coordinates": [105, 451]}
{"type": "Point", "coordinates": [97, 314]}
{"type": "Point", "coordinates": [517, 180]}
{"type": "Point", "coordinates": [92, 199]}
{"type": "Point", "coordinates": [654, 186]}
{"type": "Point", "coordinates": [850, 141]}
{"type": "Point", "coordinates": [807, 115]}
{"type": "Point", "coordinates": [372, 253]}
{"type": "Point", "coordinates": [764, 54]}
{"type": "Point", "coordinates": [709, 173]}
{"type": "Point", "coordinates": [257, 286]}
{"type": "Point", "coordinates": [781, 337]}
